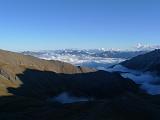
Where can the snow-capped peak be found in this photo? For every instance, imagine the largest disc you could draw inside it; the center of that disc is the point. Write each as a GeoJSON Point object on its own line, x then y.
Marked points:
{"type": "Point", "coordinates": [142, 47]}
{"type": "Point", "coordinates": [139, 46]}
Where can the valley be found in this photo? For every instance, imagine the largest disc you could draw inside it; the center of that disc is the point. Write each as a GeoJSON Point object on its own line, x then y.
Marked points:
{"type": "Point", "coordinates": [33, 88]}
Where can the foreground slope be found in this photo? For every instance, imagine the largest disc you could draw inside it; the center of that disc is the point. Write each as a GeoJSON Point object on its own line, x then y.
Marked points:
{"type": "Point", "coordinates": [27, 85]}
{"type": "Point", "coordinates": [12, 64]}
{"type": "Point", "coordinates": [32, 77]}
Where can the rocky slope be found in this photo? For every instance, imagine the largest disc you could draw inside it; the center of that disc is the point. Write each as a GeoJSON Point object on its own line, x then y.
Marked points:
{"type": "Point", "coordinates": [13, 64]}
{"type": "Point", "coordinates": [146, 62]}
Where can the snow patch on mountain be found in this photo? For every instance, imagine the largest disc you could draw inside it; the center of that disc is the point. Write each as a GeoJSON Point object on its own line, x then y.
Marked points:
{"type": "Point", "coordinates": [89, 58]}
{"type": "Point", "coordinates": [95, 58]}
{"type": "Point", "coordinates": [86, 61]}
{"type": "Point", "coordinates": [142, 47]}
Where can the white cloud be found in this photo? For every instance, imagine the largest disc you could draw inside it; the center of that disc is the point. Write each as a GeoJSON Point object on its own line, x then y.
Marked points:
{"type": "Point", "coordinates": [149, 82]}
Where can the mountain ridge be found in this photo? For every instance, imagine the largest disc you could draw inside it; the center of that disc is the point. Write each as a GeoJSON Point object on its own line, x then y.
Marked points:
{"type": "Point", "coordinates": [12, 64]}
{"type": "Point", "coordinates": [28, 86]}
{"type": "Point", "coordinates": [145, 62]}
{"type": "Point", "coordinates": [26, 72]}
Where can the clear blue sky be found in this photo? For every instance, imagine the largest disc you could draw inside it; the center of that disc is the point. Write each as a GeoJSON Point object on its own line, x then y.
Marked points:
{"type": "Point", "coordinates": [58, 24]}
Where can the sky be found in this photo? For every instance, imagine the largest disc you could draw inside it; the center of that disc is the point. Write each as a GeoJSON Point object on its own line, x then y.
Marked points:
{"type": "Point", "coordinates": [83, 24]}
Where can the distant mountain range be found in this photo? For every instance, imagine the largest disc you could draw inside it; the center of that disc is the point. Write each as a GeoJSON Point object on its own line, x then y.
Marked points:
{"type": "Point", "coordinates": [80, 56]}
{"type": "Point", "coordinates": [142, 47]}
{"type": "Point", "coordinates": [93, 53]}
{"type": "Point", "coordinates": [96, 58]}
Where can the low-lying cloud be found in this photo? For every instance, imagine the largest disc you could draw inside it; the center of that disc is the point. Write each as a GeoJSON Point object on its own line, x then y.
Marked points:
{"type": "Point", "coordinates": [148, 81]}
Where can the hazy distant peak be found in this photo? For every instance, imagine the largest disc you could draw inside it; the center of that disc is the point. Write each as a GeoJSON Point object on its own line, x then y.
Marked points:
{"type": "Point", "coordinates": [143, 47]}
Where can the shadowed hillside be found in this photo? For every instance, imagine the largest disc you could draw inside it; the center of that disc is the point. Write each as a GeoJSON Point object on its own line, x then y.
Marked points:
{"type": "Point", "coordinates": [12, 64]}
{"type": "Point", "coordinates": [116, 98]}
{"type": "Point", "coordinates": [100, 84]}
{"type": "Point", "coordinates": [146, 62]}
{"type": "Point", "coordinates": [27, 84]}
